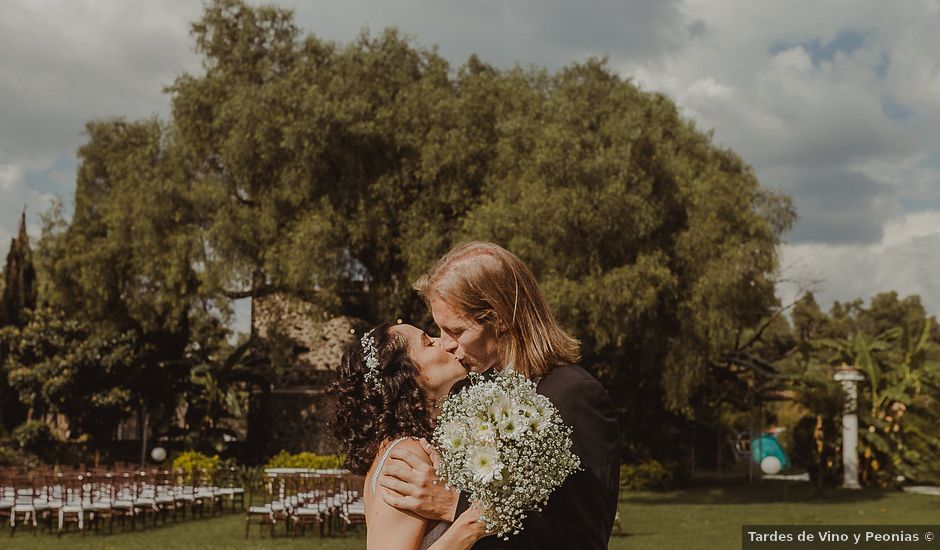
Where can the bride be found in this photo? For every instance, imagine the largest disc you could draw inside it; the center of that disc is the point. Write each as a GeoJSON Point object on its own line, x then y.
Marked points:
{"type": "Point", "coordinates": [389, 389]}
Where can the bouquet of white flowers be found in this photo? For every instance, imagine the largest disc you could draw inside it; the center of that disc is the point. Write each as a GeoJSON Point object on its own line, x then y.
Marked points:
{"type": "Point", "coordinates": [506, 446]}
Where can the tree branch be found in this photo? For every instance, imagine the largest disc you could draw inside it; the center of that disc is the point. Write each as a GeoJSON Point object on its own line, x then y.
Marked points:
{"type": "Point", "coordinates": [258, 292]}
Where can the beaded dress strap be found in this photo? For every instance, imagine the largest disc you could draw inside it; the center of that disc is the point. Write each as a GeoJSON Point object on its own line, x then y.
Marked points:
{"type": "Point", "coordinates": [381, 464]}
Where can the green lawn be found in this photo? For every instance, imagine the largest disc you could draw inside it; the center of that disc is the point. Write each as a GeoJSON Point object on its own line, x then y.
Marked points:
{"type": "Point", "coordinates": [700, 517]}
{"type": "Point", "coordinates": [711, 517]}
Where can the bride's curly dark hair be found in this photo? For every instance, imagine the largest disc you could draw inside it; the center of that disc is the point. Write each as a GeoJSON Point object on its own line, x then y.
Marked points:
{"type": "Point", "coordinates": [365, 416]}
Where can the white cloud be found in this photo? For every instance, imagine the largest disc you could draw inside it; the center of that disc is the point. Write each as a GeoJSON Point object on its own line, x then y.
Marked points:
{"type": "Point", "coordinates": [66, 62]}
{"type": "Point", "coordinates": [906, 260]}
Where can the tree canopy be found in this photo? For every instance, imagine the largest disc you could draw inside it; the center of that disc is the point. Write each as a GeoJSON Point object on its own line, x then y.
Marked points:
{"type": "Point", "coordinates": [295, 165]}
{"type": "Point", "coordinates": [312, 165]}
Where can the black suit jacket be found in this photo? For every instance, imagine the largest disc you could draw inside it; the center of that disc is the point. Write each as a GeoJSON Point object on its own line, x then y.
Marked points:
{"type": "Point", "coordinates": [580, 513]}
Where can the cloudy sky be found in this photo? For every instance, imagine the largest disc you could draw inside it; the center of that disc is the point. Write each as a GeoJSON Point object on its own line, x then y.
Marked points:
{"type": "Point", "coordinates": [835, 103]}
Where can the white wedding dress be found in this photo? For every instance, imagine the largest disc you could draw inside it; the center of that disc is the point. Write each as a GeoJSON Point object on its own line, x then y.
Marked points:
{"type": "Point", "coordinates": [436, 528]}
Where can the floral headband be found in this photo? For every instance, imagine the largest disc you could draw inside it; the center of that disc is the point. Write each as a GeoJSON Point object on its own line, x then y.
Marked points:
{"type": "Point", "coordinates": [372, 361]}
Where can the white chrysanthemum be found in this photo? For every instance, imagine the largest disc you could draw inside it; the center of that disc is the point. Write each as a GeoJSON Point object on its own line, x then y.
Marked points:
{"type": "Point", "coordinates": [452, 435]}
{"type": "Point", "coordinates": [484, 464]}
{"type": "Point", "coordinates": [513, 426]}
{"type": "Point", "coordinates": [527, 411]}
{"type": "Point", "coordinates": [538, 424]}
{"type": "Point", "coordinates": [501, 407]}
{"type": "Point", "coordinates": [483, 431]}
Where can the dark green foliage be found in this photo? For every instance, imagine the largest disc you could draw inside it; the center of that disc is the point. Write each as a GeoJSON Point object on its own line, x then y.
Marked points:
{"type": "Point", "coordinates": [58, 365]}
{"type": "Point", "coordinates": [314, 166]}
{"type": "Point", "coordinates": [897, 348]}
{"type": "Point", "coordinates": [300, 166]}
{"type": "Point", "coordinates": [9, 457]}
{"type": "Point", "coordinates": [36, 437]}
{"type": "Point", "coordinates": [646, 476]}
{"type": "Point", "coordinates": [17, 300]}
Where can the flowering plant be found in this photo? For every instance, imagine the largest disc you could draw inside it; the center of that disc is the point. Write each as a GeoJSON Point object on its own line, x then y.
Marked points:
{"type": "Point", "coordinates": [506, 446]}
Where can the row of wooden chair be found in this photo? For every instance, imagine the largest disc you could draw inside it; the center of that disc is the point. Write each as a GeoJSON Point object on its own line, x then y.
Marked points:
{"type": "Point", "coordinates": [98, 496]}
{"type": "Point", "coordinates": [329, 500]}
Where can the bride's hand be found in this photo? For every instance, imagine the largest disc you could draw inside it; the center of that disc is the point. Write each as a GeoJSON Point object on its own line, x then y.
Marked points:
{"type": "Point", "coordinates": [471, 523]}
{"type": "Point", "coordinates": [466, 530]}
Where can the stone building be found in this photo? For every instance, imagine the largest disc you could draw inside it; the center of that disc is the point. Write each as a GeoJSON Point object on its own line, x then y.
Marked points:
{"type": "Point", "coordinates": [292, 413]}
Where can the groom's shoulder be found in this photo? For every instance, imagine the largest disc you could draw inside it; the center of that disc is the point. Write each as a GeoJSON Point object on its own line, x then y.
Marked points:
{"type": "Point", "coordinates": [570, 382]}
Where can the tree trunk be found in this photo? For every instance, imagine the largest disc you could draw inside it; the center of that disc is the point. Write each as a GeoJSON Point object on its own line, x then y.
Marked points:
{"type": "Point", "coordinates": [719, 448]}
{"type": "Point", "coordinates": [142, 419]}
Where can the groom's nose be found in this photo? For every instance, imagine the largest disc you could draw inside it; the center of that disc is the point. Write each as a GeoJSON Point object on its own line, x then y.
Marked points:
{"type": "Point", "coordinates": [447, 343]}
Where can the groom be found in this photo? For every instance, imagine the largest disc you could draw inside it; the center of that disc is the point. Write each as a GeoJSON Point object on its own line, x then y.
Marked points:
{"type": "Point", "coordinates": [491, 313]}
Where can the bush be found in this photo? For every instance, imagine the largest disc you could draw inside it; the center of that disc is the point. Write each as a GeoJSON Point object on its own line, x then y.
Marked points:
{"type": "Point", "coordinates": [195, 462]}
{"type": "Point", "coordinates": [646, 476]}
{"type": "Point", "coordinates": [305, 460]}
{"type": "Point", "coordinates": [8, 457]}
{"type": "Point", "coordinates": [37, 437]}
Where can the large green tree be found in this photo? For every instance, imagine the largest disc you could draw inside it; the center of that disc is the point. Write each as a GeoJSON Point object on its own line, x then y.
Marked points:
{"type": "Point", "coordinates": [299, 166]}
{"type": "Point", "coordinates": [58, 365]}
{"type": "Point", "coordinates": [656, 247]}
{"type": "Point", "coordinates": [126, 263]}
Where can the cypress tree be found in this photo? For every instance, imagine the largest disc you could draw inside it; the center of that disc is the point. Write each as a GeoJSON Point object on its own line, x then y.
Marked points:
{"type": "Point", "coordinates": [19, 295]}
{"type": "Point", "coordinates": [19, 290]}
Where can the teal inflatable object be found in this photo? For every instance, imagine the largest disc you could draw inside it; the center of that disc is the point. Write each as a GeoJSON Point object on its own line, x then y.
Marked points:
{"type": "Point", "coordinates": [767, 445]}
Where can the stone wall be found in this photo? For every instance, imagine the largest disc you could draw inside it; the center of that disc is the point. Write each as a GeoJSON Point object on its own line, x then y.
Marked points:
{"type": "Point", "coordinates": [292, 414]}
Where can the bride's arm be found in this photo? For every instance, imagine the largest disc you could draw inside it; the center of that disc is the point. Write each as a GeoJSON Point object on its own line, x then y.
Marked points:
{"type": "Point", "coordinates": [392, 529]}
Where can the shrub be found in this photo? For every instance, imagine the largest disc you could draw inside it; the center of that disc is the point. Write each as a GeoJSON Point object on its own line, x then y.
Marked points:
{"type": "Point", "coordinates": [8, 457]}
{"type": "Point", "coordinates": [37, 437]}
{"type": "Point", "coordinates": [195, 462]}
{"type": "Point", "coordinates": [305, 460]}
{"type": "Point", "coordinates": [650, 475]}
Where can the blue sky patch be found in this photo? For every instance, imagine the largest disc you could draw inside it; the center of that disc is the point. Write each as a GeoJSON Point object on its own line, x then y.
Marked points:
{"type": "Point", "coordinates": [895, 111]}
{"type": "Point", "coordinates": [847, 42]}
{"type": "Point", "coordinates": [58, 179]}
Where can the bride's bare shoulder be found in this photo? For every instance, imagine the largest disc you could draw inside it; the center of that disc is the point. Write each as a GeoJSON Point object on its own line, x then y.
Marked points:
{"type": "Point", "coordinates": [404, 443]}
{"type": "Point", "coordinates": [382, 455]}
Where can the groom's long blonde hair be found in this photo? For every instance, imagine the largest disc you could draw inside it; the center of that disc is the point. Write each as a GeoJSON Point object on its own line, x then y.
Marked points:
{"type": "Point", "coordinates": [492, 286]}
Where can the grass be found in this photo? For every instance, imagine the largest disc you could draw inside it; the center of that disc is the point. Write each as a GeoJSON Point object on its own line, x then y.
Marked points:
{"type": "Point", "coordinates": [699, 517]}
{"type": "Point", "coordinates": [711, 516]}
{"type": "Point", "coordinates": [220, 533]}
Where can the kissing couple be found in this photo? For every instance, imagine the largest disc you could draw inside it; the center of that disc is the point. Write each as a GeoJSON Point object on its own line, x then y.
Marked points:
{"type": "Point", "coordinates": [491, 315]}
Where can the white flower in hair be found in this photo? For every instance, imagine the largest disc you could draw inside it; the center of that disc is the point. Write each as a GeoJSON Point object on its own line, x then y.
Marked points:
{"type": "Point", "coordinates": [372, 361]}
